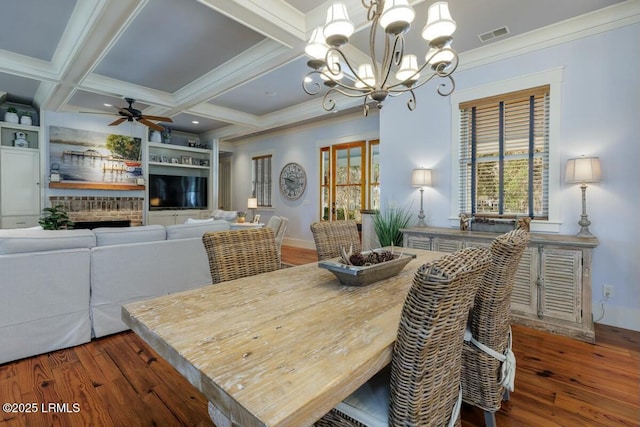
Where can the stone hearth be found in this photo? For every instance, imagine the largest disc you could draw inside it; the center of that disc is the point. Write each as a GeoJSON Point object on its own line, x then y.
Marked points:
{"type": "Point", "coordinates": [90, 208]}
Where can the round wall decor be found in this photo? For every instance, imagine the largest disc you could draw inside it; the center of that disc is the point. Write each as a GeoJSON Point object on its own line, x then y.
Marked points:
{"type": "Point", "coordinates": [293, 181]}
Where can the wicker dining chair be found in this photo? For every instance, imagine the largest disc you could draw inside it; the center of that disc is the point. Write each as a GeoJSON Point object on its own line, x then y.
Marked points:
{"type": "Point", "coordinates": [488, 364]}
{"type": "Point", "coordinates": [332, 236]}
{"type": "Point", "coordinates": [422, 385]}
{"type": "Point", "coordinates": [240, 253]}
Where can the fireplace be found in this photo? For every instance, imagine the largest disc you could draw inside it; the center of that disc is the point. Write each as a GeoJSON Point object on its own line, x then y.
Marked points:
{"type": "Point", "coordinates": [96, 224]}
{"type": "Point", "coordinates": [99, 210]}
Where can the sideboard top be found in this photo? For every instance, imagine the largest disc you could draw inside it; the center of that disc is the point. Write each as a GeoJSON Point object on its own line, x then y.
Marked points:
{"type": "Point", "coordinates": [539, 238]}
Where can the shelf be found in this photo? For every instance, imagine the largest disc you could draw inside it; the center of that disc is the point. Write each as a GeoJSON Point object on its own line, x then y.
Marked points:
{"type": "Point", "coordinates": [177, 165]}
{"type": "Point", "coordinates": [179, 147]}
{"type": "Point", "coordinates": [95, 186]}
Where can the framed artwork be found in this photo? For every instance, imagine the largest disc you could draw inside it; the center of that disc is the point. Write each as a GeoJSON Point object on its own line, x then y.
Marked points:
{"type": "Point", "coordinates": [256, 218]}
{"type": "Point", "coordinates": [186, 160]}
{"type": "Point", "coordinates": [164, 159]}
{"type": "Point", "coordinates": [94, 159]}
{"type": "Point", "coordinates": [153, 157]}
{"type": "Point", "coordinates": [174, 160]}
{"type": "Point", "coordinates": [204, 162]}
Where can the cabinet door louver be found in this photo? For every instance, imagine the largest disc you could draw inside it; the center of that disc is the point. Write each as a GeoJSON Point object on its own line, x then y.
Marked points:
{"type": "Point", "coordinates": [443, 245]}
{"type": "Point", "coordinates": [523, 297]}
{"type": "Point", "coordinates": [562, 275]}
{"type": "Point", "coordinates": [419, 243]}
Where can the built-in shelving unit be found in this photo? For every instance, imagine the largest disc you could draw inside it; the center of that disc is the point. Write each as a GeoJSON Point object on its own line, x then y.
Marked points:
{"type": "Point", "coordinates": [19, 175]}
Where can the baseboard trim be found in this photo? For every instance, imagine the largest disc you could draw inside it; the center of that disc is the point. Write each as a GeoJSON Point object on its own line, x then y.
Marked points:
{"type": "Point", "coordinates": [620, 317]}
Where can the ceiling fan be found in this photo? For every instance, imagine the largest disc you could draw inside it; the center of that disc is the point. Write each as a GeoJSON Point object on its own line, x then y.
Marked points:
{"type": "Point", "coordinates": [130, 114]}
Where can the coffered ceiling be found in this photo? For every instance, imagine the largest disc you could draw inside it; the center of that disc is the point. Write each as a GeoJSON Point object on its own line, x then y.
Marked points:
{"type": "Point", "coordinates": [235, 66]}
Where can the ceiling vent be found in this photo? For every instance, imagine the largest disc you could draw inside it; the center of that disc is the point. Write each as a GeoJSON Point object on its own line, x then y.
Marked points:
{"type": "Point", "coordinates": [498, 32]}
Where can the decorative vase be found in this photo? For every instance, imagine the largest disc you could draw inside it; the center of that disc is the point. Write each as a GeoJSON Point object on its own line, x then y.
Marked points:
{"type": "Point", "coordinates": [25, 120]}
{"type": "Point", "coordinates": [241, 219]}
{"type": "Point", "coordinates": [155, 136]}
{"type": "Point", "coordinates": [11, 118]}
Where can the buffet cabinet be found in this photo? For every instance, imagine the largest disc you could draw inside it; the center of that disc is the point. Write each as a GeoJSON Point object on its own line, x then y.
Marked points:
{"type": "Point", "coordinates": [552, 286]}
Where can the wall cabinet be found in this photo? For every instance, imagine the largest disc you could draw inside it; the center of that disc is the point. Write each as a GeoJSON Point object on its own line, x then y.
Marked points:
{"type": "Point", "coordinates": [552, 287]}
{"type": "Point", "coordinates": [19, 176]}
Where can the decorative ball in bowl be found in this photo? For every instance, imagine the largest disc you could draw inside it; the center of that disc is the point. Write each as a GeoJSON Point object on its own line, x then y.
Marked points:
{"type": "Point", "coordinates": [364, 268]}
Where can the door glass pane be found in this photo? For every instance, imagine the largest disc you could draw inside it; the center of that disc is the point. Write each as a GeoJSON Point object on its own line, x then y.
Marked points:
{"type": "Point", "coordinates": [355, 165]}
{"type": "Point", "coordinates": [342, 165]}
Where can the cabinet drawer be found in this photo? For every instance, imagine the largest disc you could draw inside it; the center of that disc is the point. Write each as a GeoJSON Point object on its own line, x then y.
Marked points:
{"type": "Point", "coordinates": [19, 221]}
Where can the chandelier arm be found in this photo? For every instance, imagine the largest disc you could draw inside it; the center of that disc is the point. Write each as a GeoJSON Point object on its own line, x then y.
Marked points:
{"type": "Point", "coordinates": [314, 87]}
{"type": "Point", "coordinates": [355, 74]}
{"type": "Point", "coordinates": [398, 51]}
{"type": "Point", "coordinates": [373, 16]}
{"type": "Point", "coordinates": [442, 86]}
{"type": "Point", "coordinates": [327, 102]}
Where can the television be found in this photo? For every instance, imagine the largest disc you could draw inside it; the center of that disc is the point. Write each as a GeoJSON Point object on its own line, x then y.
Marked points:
{"type": "Point", "coordinates": [177, 192]}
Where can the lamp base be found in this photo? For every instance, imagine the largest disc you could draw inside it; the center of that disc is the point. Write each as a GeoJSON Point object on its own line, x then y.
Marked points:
{"type": "Point", "coordinates": [584, 224]}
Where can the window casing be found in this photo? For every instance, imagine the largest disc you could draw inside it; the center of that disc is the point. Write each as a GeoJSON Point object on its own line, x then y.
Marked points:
{"type": "Point", "coordinates": [504, 155]}
{"type": "Point", "coordinates": [261, 179]}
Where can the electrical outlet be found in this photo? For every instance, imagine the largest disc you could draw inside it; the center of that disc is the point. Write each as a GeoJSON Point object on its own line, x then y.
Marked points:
{"type": "Point", "coordinates": [607, 291]}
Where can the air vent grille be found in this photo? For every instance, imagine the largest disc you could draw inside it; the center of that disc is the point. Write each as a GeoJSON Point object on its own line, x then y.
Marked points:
{"type": "Point", "coordinates": [490, 35]}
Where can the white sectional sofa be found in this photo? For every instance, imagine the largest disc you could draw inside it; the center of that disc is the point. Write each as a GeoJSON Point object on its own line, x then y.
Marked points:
{"type": "Point", "coordinates": [61, 288]}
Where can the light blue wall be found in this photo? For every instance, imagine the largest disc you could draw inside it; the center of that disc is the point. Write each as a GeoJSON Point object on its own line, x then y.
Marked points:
{"type": "Point", "coordinates": [600, 116]}
{"type": "Point", "coordinates": [300, 145]}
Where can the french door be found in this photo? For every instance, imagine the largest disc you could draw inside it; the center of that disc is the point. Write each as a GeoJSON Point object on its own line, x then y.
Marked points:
{"type": "Point", "coordinates": [345, 187]}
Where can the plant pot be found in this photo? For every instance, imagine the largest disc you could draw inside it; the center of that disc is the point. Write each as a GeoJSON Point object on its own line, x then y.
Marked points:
{"type": "Point", "coordinates": [25, 120]}
{"type": "Point", "coordinates": [11, 118]}
{"type": "Point", "coordinates": [241, 219]}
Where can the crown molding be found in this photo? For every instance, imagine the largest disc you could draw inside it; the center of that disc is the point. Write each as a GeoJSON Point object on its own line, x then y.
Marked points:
{"type": "Point", "coordinates": [599, 21]}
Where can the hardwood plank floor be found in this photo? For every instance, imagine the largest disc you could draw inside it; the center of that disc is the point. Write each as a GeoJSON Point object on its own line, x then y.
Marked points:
{"type": "Point", "coordinates": [119, 381]}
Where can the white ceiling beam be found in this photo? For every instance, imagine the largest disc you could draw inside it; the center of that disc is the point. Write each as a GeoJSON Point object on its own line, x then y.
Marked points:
{"type": "Point", "coordinates": [275, 19]}
{"type": "Point", "coordinates": [217, 112]}
{"type": "Point", "coordinates": [109, 86]}
{"type": "Point", "coordinates": [94, 27]}
{"type": "Point", "coordinates": [25, 66]}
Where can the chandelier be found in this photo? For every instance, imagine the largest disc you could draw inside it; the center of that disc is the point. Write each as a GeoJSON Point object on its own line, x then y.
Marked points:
{"type": "Point", "coordinates": [375, 81]}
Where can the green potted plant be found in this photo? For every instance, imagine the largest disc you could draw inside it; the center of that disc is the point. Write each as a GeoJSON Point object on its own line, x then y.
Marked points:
{"type": "Point", "coordinates": [387, 225]}
{"type": "Point", "coordinates": [55, 218]}
{"type": "Point", "coordinates": [11, 116]}
{"type": "Point", "coordinates": [25, 118]}
{"type": "Point", "coordinates": [242, 215]}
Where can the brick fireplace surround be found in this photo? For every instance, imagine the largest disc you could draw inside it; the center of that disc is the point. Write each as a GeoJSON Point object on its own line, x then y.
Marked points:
{"type": "Point", "coordinates": [90, 208]}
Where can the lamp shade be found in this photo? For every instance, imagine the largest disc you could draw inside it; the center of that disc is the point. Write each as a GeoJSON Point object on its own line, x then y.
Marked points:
{"type": "Point", "coordinates": [421, 177]}
{"type": "Point", "coordinates": [439, 22]}
{"type": "Point", "coordinates": [338, 28]}
{"type": "Point", "coordinates": [583, 169]}
{"type": "Point", "coordinates": [252, 203]}
{"type": "Point", "coordinates": [317, 48]}
{"type": "Point", "coordinates": [396, 16]}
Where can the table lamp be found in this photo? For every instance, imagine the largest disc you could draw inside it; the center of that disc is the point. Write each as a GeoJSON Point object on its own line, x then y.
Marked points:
{"type": "Point", "coordinates": [252, 204]}
{"type": "Point", "coordinates": [421, 178]}
{"type": "Point", "coordinates": [583, 170]}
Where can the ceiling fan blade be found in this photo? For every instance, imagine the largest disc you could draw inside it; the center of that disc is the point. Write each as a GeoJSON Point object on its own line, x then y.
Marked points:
{"type": "Point", "coordinates": [117, 121]}
{"type": "Point", "coordinates": [159, 118]}
{"type": "Point", "coordinates": [125, 112]}
{"type": "Point", "coordinates": [150, 124]}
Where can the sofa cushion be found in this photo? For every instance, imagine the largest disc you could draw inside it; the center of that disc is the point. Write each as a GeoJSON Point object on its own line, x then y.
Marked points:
{"type": "Point", "coordinates": [222, 214]}
{"type": "Point", "coordinates": [106, 236]}
{"type": "Point", "coordinates": [187, 231]}
{"type": "Point", "coordinates": [199, 221]}
{"type": "Point", "coordinates": [14, 241]}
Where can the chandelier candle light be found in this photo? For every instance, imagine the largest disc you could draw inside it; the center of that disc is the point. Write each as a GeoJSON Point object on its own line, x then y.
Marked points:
{"type": "Point", "coordinates": [421, 178]}
{"type": "Point", "coordinates": [583, 170]}
{"type": "Point", "coordinates": [374, 81]}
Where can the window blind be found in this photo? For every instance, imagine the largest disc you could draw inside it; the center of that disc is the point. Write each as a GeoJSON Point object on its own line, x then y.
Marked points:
{"type": "Point", "coordinates": [504, 155]}
{"type": "Point", "coordinates": [262, 180]}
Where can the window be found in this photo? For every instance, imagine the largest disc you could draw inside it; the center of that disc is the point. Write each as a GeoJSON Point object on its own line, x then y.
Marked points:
{"type": "Point", "coordinates": [504, 155]}
{"type": "Point", "coordinates": [261, 176]}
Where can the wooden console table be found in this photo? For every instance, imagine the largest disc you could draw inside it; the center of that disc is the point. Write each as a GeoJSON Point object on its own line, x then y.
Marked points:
{"type": "Point", "coordinates": [552, 289]}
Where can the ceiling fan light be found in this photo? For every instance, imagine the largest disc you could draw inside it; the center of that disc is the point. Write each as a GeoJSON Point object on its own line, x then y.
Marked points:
{"type": "Point", "coordinates": [408, 70]}
{"type": "Point", "coordinates": [439, 22]}
{"type": "Point", "coordinates": [317, 47]}
{"type": "Point", "coordinates": [365, 72]}
{"type": "Point", "coordinates": [397, 16]}
{"type": "Point", "coordinates": [338, 28]}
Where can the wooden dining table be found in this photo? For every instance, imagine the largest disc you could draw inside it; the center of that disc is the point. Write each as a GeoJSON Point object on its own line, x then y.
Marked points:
{"type": "Point", "coordinates": [280, 348]}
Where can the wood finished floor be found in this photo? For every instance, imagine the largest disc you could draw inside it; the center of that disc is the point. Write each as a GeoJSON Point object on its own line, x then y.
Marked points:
{"type": "Point", "coordinates": [119, 381]}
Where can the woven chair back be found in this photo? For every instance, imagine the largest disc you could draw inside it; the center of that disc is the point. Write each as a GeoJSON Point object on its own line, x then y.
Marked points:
{"type": "Point", "coordinates": [332, 237]}
{"type": "Point", "coordinates": [240, 253]}
{"type": "Point", "coordinates": [490, 321]}
{"type": "Point", "coordinates": [426, 363]}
